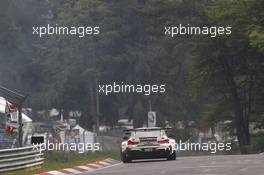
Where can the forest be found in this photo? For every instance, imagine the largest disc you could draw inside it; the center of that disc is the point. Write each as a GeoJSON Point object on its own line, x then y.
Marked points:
{"type": "Point", "coordinates": [208, 79]}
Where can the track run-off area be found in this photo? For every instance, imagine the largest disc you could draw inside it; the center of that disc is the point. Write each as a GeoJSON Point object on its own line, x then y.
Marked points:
{"type": "Point", "coordinates": [198, 165]}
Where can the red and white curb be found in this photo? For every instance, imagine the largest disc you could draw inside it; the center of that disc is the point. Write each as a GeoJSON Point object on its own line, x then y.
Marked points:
{"type": "Point", "coordinates": [84, 168]}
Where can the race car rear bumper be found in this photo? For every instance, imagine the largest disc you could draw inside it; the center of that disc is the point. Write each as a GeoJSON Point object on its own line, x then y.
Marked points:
{"type": "Point", "coordinates": [148, 152]}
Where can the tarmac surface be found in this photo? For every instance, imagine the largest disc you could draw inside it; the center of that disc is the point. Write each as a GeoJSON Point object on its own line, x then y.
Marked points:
{"type": "Point", "coordinates": [200, 165]}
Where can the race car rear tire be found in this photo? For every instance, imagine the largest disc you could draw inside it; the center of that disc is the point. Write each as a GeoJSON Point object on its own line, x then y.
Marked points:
{"type": "Point", "coordinates": [172, 156]}
{"type": "Point", "coordinates": [125, 158]}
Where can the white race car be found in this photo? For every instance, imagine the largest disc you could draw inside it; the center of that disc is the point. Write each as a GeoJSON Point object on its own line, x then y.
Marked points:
{"type": "Point", "coordinates": [147, 143]}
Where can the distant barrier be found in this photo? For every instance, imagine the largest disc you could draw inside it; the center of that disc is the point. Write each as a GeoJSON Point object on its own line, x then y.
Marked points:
{"type": "Point", "coordinates": [109, 143]}
{"type": "Point", "coordinates": [19, 158]}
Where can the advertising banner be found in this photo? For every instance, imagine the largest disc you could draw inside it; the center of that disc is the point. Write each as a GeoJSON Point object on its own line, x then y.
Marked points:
{"type": "Point", "coordinates": [72, 136]}
{"type": "Point", "coordinates": [11, 118]}
{"type": "Point", "coordinates": [151, 119]}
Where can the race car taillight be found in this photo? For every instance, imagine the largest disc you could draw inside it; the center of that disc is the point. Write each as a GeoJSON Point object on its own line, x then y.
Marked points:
{"type": "Point", "coordinates": [165, 141]}
{"type": "Point", "coordinates": [130, 142]}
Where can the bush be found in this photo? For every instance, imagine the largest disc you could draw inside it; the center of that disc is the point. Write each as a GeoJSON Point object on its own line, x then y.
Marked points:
{"type": "Point", "coordinates": [258, 142]}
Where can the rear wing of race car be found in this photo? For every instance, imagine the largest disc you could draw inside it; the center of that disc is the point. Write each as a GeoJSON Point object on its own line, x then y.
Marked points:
{"type": "Point", "coordinates": [147, 129]}
{"type": "Point", "coordinates": [127, 132]}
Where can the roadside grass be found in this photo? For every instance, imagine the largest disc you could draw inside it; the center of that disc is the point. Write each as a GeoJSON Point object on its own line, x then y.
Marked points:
{"type": "Point", "coordinates": [57, 161]}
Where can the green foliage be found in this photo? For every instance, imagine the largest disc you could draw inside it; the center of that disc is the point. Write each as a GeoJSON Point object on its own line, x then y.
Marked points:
{"type": "Point", "coordinates": [204, 76]}
{"type": "Point", "coordinates": [257, 39]}
{"type": "Point", "coordinates": [231, 71]}
{"type": "Point", "coordinates": [68, 65]}
{"type": "Point", "coordinates": [258, 142]}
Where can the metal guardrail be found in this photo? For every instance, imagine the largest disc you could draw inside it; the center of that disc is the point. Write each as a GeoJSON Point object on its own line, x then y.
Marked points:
{"type": "Point", "coordinates": [20, 158]}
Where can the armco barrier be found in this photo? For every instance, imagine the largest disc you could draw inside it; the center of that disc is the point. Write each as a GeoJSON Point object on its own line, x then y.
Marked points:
{"type": "Point", "coordinates": [19, 158]}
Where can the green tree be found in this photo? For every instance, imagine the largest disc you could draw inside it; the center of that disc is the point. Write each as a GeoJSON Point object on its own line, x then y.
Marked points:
{"type": "Point", "coordinates": [229, 71]}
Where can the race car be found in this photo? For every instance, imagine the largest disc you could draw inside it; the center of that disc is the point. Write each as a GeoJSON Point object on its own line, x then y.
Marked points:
{"type": "Point", "coordinates": [147, 143]}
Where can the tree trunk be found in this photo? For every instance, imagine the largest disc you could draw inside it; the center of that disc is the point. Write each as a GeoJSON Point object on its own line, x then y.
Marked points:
{"type": "Point", "coordinates": [97, 103]}
{"type": "Point", "coordinates": [241, 123]}
{"type": "Point", "coordinates": [92, 102]}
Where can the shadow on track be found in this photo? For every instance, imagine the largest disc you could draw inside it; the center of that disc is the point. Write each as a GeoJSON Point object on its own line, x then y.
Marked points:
{"type": "Point", "coordinates": [148, 160]}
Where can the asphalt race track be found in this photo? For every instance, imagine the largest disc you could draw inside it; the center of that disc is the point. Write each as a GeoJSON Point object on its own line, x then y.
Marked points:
{"type": "Point", "coordinates": [202, 165]}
